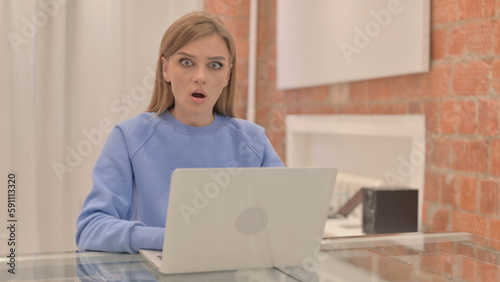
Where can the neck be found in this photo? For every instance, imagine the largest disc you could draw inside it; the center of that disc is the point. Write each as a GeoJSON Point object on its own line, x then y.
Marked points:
{"type": "Point", "coordinates": [193, 120]}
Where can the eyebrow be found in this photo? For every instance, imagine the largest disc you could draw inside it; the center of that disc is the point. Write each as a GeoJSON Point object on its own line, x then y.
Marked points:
{"type": "Point", "coordinates": [221, 58]}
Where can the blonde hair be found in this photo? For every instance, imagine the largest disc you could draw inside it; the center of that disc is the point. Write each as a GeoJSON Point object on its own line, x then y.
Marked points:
{"type": "Point", "coordinates": [186, 29]}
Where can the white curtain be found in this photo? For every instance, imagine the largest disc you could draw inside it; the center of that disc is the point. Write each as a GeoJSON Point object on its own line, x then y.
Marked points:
{"type": "Point", "coordinates": [69, 71]}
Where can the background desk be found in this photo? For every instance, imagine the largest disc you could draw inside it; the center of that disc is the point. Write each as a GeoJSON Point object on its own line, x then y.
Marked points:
{"type": "Point", "coordinates": [403, 257]}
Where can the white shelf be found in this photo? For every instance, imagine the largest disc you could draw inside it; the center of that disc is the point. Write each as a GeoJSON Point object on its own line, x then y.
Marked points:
{"type": "Point", "coordinates": [387, 147]}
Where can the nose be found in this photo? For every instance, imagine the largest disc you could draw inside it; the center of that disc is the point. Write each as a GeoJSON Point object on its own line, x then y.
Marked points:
{"type": "Point", "coordinates": [200, 76]}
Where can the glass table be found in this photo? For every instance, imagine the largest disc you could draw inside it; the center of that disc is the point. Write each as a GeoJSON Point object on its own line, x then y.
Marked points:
{"type": "Point", "coordinates": [453, 256]}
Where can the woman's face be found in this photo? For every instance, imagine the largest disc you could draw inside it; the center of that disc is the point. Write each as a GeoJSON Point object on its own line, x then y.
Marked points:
{"type": "Point", "coordinates": [198, 72]}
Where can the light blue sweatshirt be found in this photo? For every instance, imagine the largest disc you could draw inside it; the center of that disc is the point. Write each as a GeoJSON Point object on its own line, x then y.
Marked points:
{"type": "Point", "coordinates": [126, 208]}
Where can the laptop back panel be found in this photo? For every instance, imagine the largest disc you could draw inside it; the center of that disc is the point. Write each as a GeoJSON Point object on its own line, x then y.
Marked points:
{"type": "Point", "coordinates": [238, 218]}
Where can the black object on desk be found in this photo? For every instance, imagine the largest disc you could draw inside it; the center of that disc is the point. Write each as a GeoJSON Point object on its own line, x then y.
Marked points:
{"type": "Point", "coordinates": [390, 210]}
{"type": "Point", "coordinates": [349, 206]}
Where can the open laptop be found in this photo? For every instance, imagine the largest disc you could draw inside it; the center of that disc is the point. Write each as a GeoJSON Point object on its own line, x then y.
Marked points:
{"type": "Point", "coordinates": [241, 218]}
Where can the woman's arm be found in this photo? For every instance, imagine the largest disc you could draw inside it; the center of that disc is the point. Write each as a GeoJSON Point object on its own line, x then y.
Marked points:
{"type": "Point", "coordinates": [104, 223]}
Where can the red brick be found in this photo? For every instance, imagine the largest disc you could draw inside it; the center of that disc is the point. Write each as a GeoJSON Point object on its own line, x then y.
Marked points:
{"type": "Point", "coordinates": [488, 199]}
{"type": "Point", "coordinates": [495, 157]}
{"type": "Point", "coordinates": [438, 44]}
{"type": "Point", "coordinates": [242, 71]}
{"type": "Point", "coordinates": [487, 266]}
{"type": "Point", "coordinates": [316, 109]}
{"type": "Point", "coordinates": [229, 8]}
{"type": "Point", "coordinates": [480, 37]}
{"type": "Point", "coordinates": [404, 87]}
{"type": "Point", "coordinates": [324, 109]}
{"type": "Point", "coordinates": [238, 27]}
{"type": "Point", "coordinates": [431, 264]}
{"type": "Point", "coordinates": [277, 96]}
{"type": "Point", "coordinates": [468, 269]}
{"type": "Point", "coordinates": [314, 94]}
{"type": "Point", "coordinates": [469, 9]}
{"type": "Point", "coordinates": [431, 110]}
{"type": "Point", "coordinates": [293, 110]}
{"type": "Point", "coordinates": [262, 93]}
{"type": "Point", "coordinates": [242, 50]}
{"type": "Point", "coordinates": [439, 152]}
{"type": "Point", "coordinates": [472, 223]}
{"type": "Point", "coordinates": [415, 107]}
{"type": "Point", "coordinates": [264, 51]}
{"type": "Point", "coordinates": [465, 250]}
{"type": "Point", "coordinates": [471, 78]}
{"type": "Point", "coordinates": [278, 142]}
{"type": "Point", "coordinates": [352, 109]}
{"type": "Point", "coordinates": [496, 39]}
{"type": "Point", "coordinates": [488, 117]}
{"type": "Point", "coordinates": [267, 9]}
{"type": "Point", "coordinates": [456, 41]}
{"type": "Point", "coordinates": [388, 109]}
{"type": "Point", "coordinates": [487, 256]}
{"type": "Point", "coordinates": [266, 73]}
{"type": "Point", "coordinates": [378, 89]}
{"type": "Point", "coordinates": [425, 212]}
{"type": "Point", "coordinates": [468, 120]}
{"type": "Point", "coordinates": [240, 111]}
{"type": "Point", "coordinates": [436, 83]}
{"type": "Point", "coordinates": [400, 108]}
{"type": "Point", "coordinates": [495, 231]}
{"type": "Point", "coordinates": [358, 91]}
{"type": "Point", "coordinates": [449, 190]}
{"type": "Point", "coordinates": [277, 119]}
{"type": "Point", "coordinates": [266, 30]}
{"type": "Point", "coordinates": [432, 186]}
{"type": "Point", "coordinates": [261, 116]}
{"type": "Point", "coordinates": [495, 74]}
{"type": "Point", "coordinates": [443, 11]}
{"type": "Point", "coordinates": [468, 189]}
{"type": "Point", "coordinates": [291, 96]}
{"type": "Point", "coordinates": [440, 220]}
{"type": "Point", "coordinates": [450, 116]}
{"type": "Point", "coordinates": [264, 77]}
{"type": "Point", "coordinates": [470, 155]}
{"type": "Point", "coordinates": [467, 111]}
{"type": "Point", "coordinates": [241, 93]}
{"type": "Point", "coordinates": [489, 272]}
{"type": "Point", "coordinates": [392, 270]}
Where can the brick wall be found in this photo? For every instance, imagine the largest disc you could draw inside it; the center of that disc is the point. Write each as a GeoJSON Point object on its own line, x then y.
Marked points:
{"type": "Point", "coordinates": [236, 16]}
{"type": "Point", "coordinates": [459, 97]}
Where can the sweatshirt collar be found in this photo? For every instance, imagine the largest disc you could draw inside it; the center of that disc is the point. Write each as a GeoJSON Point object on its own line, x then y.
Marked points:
{"type": "Point", "coordinates": [192, 130]}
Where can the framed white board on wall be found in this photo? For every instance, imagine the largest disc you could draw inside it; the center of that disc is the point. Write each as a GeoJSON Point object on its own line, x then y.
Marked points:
{"type": "Point", "coordinates": [330, 41]}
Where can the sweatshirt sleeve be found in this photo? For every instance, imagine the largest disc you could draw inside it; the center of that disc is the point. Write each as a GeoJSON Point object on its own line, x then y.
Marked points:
{"type": "Point", "coordinates": [270, 158]}
{"type": "Point", "coordinates": [103, 224]}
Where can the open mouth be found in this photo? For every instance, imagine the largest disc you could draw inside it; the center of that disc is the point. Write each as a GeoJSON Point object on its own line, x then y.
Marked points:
{"type": "Point", "coordinates": [198, 95]}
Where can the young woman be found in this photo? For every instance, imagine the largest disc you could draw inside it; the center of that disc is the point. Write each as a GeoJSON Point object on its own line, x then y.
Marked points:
{"type": "Point", "coordinates": [189, 123]}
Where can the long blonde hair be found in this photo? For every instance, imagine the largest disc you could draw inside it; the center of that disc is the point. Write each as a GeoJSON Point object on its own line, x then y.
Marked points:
{"type": "Point", "coordinates": [186, 29]}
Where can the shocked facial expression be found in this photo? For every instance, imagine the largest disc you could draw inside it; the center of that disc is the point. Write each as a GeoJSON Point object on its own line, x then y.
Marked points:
{"type": "Point", "coordinates": [198, 72]}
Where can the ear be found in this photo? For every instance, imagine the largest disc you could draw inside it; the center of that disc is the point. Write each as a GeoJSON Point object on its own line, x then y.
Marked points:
{"type": "Point", "coordinates": [164, 63]}
{"type": "Point", "coordinates": [226, 82]}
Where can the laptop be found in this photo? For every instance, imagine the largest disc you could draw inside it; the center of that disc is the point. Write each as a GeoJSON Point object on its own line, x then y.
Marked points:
{"type": "Point", "coordinates": [242, 218]}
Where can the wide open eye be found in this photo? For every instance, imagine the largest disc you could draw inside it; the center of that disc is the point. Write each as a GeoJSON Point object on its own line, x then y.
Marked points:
{"type": "Point", "coordinates": [186, 62]}
{"type": "Point", "coordinates": [215, 65]}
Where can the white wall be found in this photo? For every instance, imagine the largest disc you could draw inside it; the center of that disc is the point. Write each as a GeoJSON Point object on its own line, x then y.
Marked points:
{"type": "Point", "coordinates": [329, 41]}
